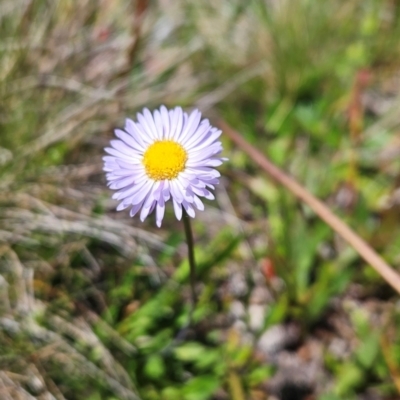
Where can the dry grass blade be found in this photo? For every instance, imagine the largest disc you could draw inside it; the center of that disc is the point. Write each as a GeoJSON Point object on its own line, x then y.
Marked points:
{"type": "Point", "coordinates": [11, 390]}
{"type": "Point", "coordinates": [81, 333]}
{"type": "Point", "coordinates": [363, 249]}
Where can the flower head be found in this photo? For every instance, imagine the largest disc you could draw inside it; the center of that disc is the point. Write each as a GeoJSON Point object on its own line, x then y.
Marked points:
{"type": "Point", "coordinates": [165, 155]}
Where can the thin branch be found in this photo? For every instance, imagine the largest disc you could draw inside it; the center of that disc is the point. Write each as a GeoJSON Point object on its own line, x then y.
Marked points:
{"type": "Point", "coordinates": [362, 248]}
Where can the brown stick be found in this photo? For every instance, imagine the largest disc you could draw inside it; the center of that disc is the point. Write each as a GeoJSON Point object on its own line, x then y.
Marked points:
{"type": "Point", "coordinates": [362, 248]}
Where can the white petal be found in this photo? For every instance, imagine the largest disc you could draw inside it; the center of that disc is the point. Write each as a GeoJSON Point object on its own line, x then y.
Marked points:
{"type": "Point", "coordinates": [207, 139]}
{"type": "Point", "coordinates": [118, 154]}
{"type": "Point", "coordinates": [166, 193]}
{"type": "Point", "coordinates": [143, 133]}
{"type": "Point", "coordinates": [204, 172]}
{"type": "Point", "coordinates": [157, 190]}
{"type": "Point", "coordinates": [160, 210]}
{"type": "Point", "coordinates": [135, 209]}
{"type": "Point", "coordinates": [136, 133]}
{"type": "Point", "coordinates": [175, 191]}
{"type": "Point", "coordinates": [214, 162]}
{"type": "Point", "coordinates": [121, 183]}
{"type": "Point", "coordinates": [206, 163]}
{"type": "Point", "coordinates": [191, 126]}
{"type": "Point", "coordinates": [177, 209]}
{"type": "Point", "coordinates": [203, 129]}
{"type": "Point", "coordinates": [165, 119]}
{"type": "Point", "coordinates": [208, 195]}
{"type": "Point", "coordinates": [121, 206]}
{"type": "Point", "coordinates": [131, 190]}
{"type": "Point", "coordinates": [203, 193]}
{"type": "Point", "coordinates": [145, 212]}
{"type": "Point", "coordinates": [143, 125]}
{"type": "Point", "coordinates": [159, 124]}
{"type": "Point", "coordinates": [150, 123]}
{"type": "Point", "coordinates": [189, 209]}
{"type": "Point", "coordinates": [198, 191]}
{"type": "Point", "coordinates": [129, 140]}
{"type": "Point", "coordinates": [199, 204]}
{"type": "Point", "coordinates": [140, 195]}
{"type": "Point", "coordinates": [210, 151]}
{"type": "Point", "coordinates": [176, 124]}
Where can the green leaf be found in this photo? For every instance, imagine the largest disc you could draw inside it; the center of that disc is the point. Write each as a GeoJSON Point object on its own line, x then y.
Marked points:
{"type": "Point", "coordinates": [154, 367]}
{"type": "Point", "coordinates": [210, 358]}
{"type": "Point", "coordinates": [171, 393]}
{"type": "Point", "coordinates": [259, 375]}
{"type": "Point", "coordinates": [349, 378]}
{"type": "Point", "coordinates": [191, 351]}
{"type": "Point", "coordinates": [278, 311]}
{"type": "Point", "coordinates": [200, 388]}
{"type": "Point", "coordinates": [368, 351]}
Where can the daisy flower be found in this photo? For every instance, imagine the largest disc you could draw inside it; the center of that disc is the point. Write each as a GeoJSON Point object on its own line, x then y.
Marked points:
{"type": "Point", "coordinates": [165, 155]}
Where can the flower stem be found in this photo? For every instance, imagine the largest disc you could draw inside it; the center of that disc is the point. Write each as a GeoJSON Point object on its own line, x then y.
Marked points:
{"type": "Point", "coordinates": [192, 263]}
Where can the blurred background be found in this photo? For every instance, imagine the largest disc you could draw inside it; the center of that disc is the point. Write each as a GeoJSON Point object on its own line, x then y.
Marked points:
{"type": "Point", "coordinates": [94, 304]}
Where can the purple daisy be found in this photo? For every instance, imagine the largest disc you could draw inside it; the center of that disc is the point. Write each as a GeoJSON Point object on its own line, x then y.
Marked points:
{"type": "Point", "coordinates": [165, 155]}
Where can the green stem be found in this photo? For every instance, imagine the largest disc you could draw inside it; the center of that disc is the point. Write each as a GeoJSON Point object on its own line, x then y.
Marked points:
{"type": "Point", "coordinates": [192, 263]}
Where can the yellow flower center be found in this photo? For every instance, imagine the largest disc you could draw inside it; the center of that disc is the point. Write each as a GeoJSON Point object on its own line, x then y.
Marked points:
{"type": "Point", "coordinates": [164, 159]}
